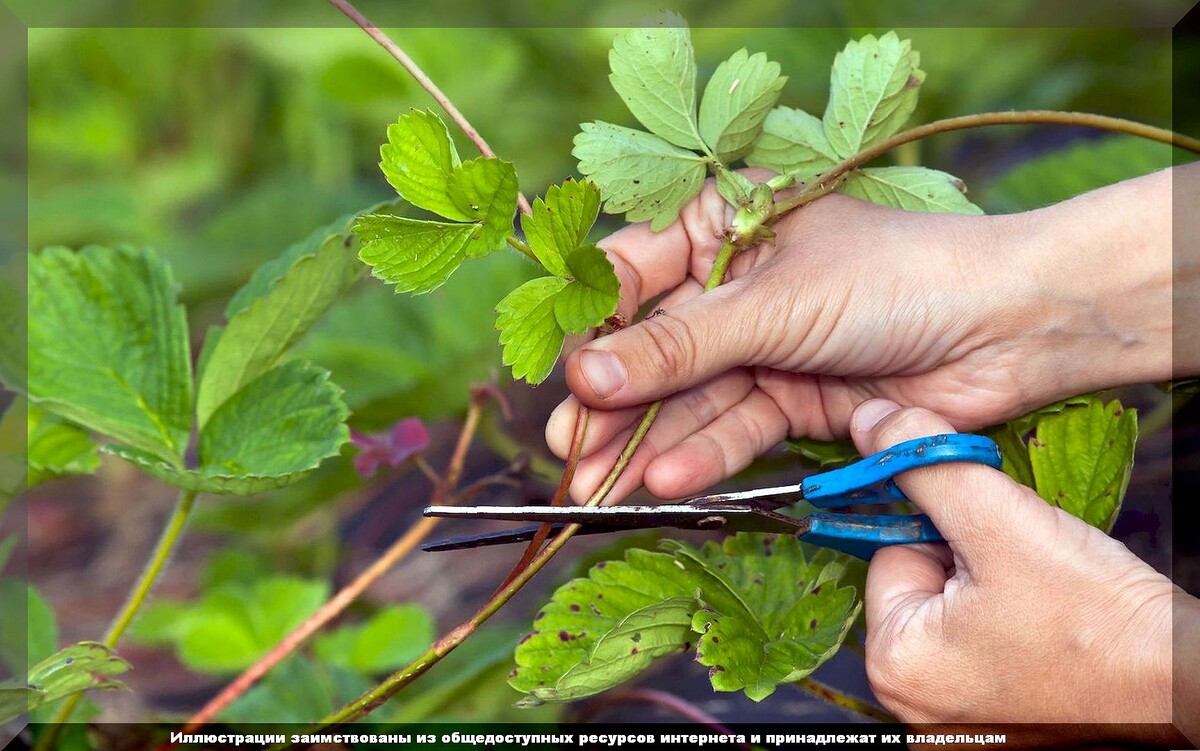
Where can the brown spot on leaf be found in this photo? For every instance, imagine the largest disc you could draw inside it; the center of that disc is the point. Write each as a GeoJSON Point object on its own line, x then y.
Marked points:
{"type": "Point", "coordinates": [541, 614]}
{"type": "Point", "coordinates": [574, 608]}
{"type": "Point", "coordinates": [812, 625]}
{"type": "Point", "coordinates": [634, 651]}
{"type": "Point", "coordinates": [714, 670]}
{"type": "Point", "coordinates": [912, 82]}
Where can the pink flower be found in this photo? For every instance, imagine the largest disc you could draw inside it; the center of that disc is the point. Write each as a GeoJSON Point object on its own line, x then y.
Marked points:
{"type": "Point", "coordinates": [406, 438]}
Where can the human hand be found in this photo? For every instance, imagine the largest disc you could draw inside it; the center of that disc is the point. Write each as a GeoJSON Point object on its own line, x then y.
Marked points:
{"type": "Point", "coordinates": [1028, 615]}
{"type": "Point", "coordinates": [959, 314]}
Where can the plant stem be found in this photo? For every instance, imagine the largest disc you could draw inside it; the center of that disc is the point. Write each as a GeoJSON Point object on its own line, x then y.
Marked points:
{"type": "Point", "coordinates": [137, 597]}
{"type": "Point", "coordinates": [424, 81]}
{"type": "Point", "coordinates": [843, 700]}
{"type": "Point", "coordinates": [524, 248]}
{"type": "Point", "coordinates": [830, 179]}
{"type": "Point", "coordinates": [511, 449]}
{"type": "Point", "coordinates": [720, 266]}
{"type": "Point", "coordinates": [443, 489]}
{"type": "Point", "coordinates": [560, 494]}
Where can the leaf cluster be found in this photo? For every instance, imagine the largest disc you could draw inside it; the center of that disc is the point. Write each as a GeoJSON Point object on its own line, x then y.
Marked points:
{"type": "Point", "coordinates": [109, 354]}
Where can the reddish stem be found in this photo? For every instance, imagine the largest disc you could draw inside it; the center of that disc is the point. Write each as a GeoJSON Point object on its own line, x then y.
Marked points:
{"type": "Point", "coordinates": [424, 81]}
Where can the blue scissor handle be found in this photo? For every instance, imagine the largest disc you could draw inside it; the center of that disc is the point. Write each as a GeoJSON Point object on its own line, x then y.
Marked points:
{"type": "Point", "coordinates": [861, 535]}
{"type": "Point", "coordinates": [869, 480]}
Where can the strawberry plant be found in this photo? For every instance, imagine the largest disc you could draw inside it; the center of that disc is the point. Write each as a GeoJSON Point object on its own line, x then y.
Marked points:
{"type": "Point", "coordinates": [111, 376]}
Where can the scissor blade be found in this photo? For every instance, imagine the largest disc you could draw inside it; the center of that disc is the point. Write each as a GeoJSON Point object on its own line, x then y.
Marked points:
{"type": "Point", "coordinates": [782, 495]}
{"type": "Point", "coordinates": [732, 517]}
{"type": "Point", "coordinates": [504, 537]}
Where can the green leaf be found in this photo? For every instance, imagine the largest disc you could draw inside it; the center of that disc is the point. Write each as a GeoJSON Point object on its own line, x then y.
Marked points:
{"type": "Point", "coordinates": [234, 625]}
{"type": "Point", "coordinates": [415, 255]}
{"type": "Point", "coordinates": [388, 640]}
{"type": "Point", "coordinates": [80, 667]}
{"type": "Point", "coordinates": [294, 692]}
{"type": "Point", "coordinates": [1014, 452]}
{"type": "Point", "coordinates": [824, 454]}
{"type": "Point", "coordinates": [269, 434]}
{"type": "Point", "coordinates": [592, 295]}
{"type": "Point", "coordinates": [419, 159]}
{"type": "Point", "coordinates": [16, 699]}
{"type": "Point", "coordinates": [529, 329]}
{"type": "Point", "coordinates": [560, 222]}
{"type": "Point", "coordinates": [793, 141]}
{"type": "Point", "coordinates": [736, 100]}
{"type": "Point", "coordinates": [654, 72]}
{"type": "Point", "coordinates": [108, 346]}
{"type": "Point", "coordinates": [1084, 165]}
{"type": "Point", "coordinates": [657, 630]}
{"type": "Point", "coordinates": [911, 189]}
{"type": "Point", "coordinates": [768, 614]}
{"type": "Point", "coordinates": [1082, 458]}
{"type": "Point", "coordinates": [638, 173]}
{"type": "Point", "coordinates": [734, 187]}
{"type": "Point", "coordinates": [279, 304]}
{"type": "Point", "coordinates": [582, 611]}
{"type": "Point", "coordinates": [285, 421]}
{"type": "Point", "coordinates": [28, 628]}
{"type": "Point", "coordinates": [57, 448]}
{"type": "Point", "coordinates": [872, 91]}
{"type": "Point", "coordinates": [485, 190]}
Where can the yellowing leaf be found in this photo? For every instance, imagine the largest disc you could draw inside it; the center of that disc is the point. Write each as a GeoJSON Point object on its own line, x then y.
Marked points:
{"type": "Point", "coordinates": [638, 173]}
{"type": "Point", "coordinates": [419, 159]}
{"type": "Point", "coordinates": [872, 91]}
{"type": "Point", "coordinates": [560, 222]}
{"type": "Point", "coordinates": [529, 331]}
{"type": "Point", "coordinates": [738, 96]}
{"type": "Point", "coordinates": [793, 141]}
{"type": "Point", "coordinates": [654, 72]}
{"type": "Point", "coordinates": [911, 189]}
{"type": "Point", "coordinates": [1082, 458]}
{"type": "Point", "coordinates": [593, 293]}
{"type": "Point", "coordinates": [416, 256]}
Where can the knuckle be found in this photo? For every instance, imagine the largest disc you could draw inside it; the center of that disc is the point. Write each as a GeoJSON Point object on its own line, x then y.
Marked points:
{"type": "Point", "coordinates": [671, 350]}
{"type": "Point", "coordinates": [910, 422]}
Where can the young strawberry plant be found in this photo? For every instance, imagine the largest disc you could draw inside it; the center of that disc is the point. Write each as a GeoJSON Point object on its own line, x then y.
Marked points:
{"type": "Point", "coordinates": [112, 377]}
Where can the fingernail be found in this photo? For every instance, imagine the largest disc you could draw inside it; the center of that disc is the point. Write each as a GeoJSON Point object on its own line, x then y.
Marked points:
{"type": "Point", "coordinates": [603, 371]}
{"type": "Point", "coordinates": [868, 414]}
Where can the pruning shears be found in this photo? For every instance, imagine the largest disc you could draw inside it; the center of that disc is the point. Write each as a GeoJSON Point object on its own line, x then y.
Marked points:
{"type": "Point", "coordinates": [867, 481]}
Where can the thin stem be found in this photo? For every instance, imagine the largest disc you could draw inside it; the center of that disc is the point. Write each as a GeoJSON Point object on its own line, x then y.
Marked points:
{"type": "Point", "coordinates": [524, 248]}
{"type": "Point", "coordinates": [443, 488]}
{"type": "Point", "coordinates": [560, 494]}
{"type": "Point", "coordinates": [513, 450]}
{"type": "Point", "coordinates": [423, 80]}
{"type": "Point", "coordinates": [720, 266]}
{"type": "Point", "coordinates": [137, 597]}
{"type": "Point", "coordinates": [844, 700]}
{"type": "Point", "coordinates": [669, 702]}
{"type": "Point", "coordinates": [830, 179]}
{"type": "Point", "coordinates": [1161, 416]}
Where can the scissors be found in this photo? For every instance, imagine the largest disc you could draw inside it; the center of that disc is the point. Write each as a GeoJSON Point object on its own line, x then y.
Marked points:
{"type": "Point", "coordinates": [867, 481]}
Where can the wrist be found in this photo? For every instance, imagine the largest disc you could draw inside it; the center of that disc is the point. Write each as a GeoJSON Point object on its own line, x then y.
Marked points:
{"type": "Point", "coordinates": [1093, 279]}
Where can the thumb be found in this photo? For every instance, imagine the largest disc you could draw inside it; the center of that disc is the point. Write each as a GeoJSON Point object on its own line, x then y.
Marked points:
{"type": "Point", "coordinates": [668, 352]}
{"type": "Point", "coordinates": [980, 511]}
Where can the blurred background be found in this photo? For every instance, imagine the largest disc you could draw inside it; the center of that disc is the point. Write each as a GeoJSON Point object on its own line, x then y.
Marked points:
{"type": "Point", "coordinates": [222, 146]}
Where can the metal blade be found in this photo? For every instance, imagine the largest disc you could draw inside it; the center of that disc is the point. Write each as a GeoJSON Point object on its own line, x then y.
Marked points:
{"type": "Point", "coordinates": [782, 495]}
{"type": "Point", "coordinates": [505, 537]}
{"type": "Point", "coordinates": [732, 517]}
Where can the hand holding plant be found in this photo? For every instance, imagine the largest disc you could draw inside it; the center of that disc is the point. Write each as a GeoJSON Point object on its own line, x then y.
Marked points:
{"type": "Point", "coordinates": [964, 315]}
